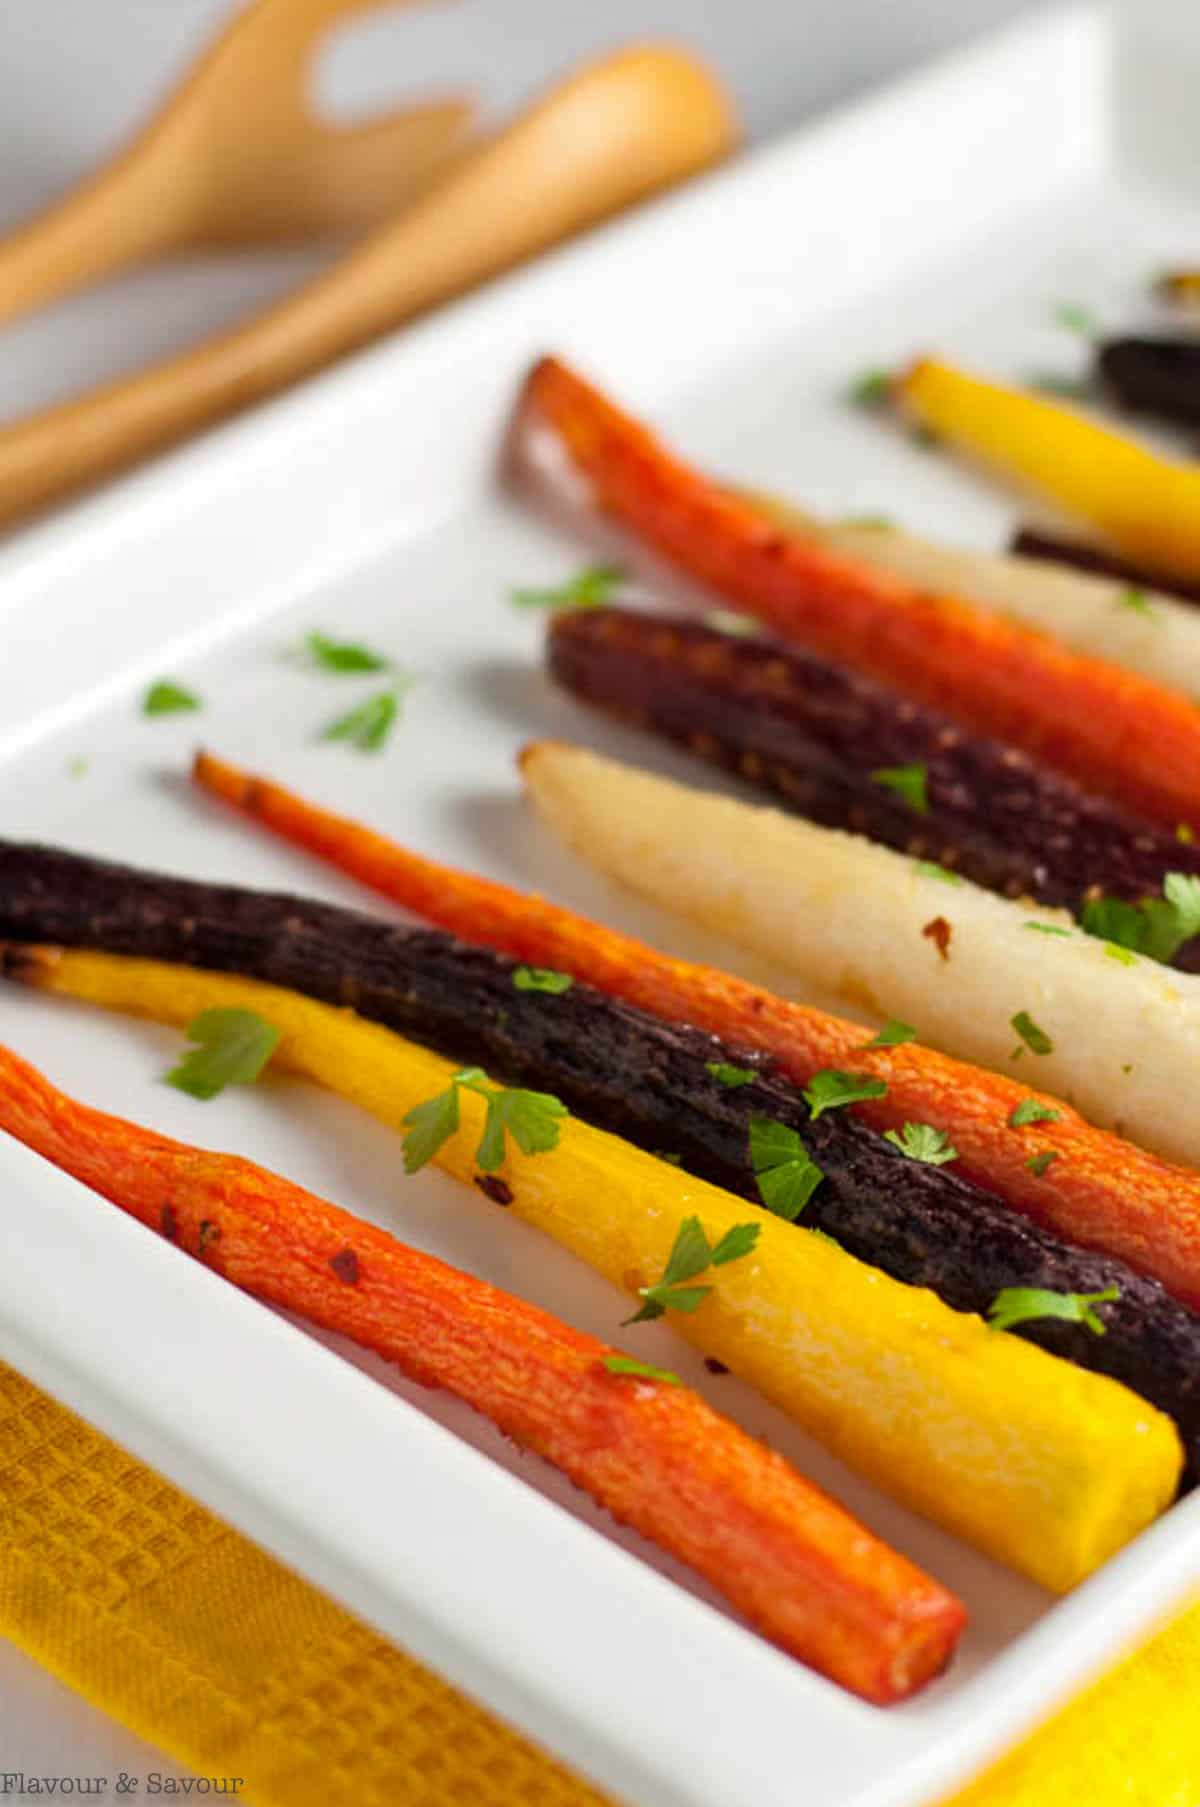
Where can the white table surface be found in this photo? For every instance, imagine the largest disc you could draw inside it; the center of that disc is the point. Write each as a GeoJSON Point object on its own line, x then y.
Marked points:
{"type": "Point", "coordinates": [74, 75]}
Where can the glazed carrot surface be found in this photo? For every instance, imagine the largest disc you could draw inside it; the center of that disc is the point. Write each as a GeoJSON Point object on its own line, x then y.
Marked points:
{"type": "Point", "coordinates": [1038, 1463]}
{"type": "Point", "coordinates": [1099, 1192]}
{"type": "Point", "coordinates": [794, 1562]}
{"type": "Point", "coordinates": [1115, 731]}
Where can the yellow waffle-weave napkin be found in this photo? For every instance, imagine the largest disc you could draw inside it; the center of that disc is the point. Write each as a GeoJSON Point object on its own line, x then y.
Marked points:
{"type": "Point", "coordinates": [197, 1640]}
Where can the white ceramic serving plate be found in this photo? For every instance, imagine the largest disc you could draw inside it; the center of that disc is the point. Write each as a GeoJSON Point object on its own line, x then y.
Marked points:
{"type": "Point", "coordinates": [953, 212]}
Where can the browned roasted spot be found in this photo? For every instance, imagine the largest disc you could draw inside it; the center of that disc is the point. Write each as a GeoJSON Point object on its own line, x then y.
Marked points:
{"type": "Point", "coordinates": [493, 1187]}
{"type": "Point", "coordinates": [210, 1232]}
{"type": "Point", "coordinates": [169, 1222]}
{"type": "Point", "coordinates": [345, 1266]}
{"type": "Point", "coordinates": [939, 932]}
{"type": "Point", "coordinates": [714, 1366]}
{"type": "Point", "coordinates": [25, 965]}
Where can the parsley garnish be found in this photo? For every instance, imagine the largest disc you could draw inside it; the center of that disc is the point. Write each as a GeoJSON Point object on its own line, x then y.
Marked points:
{"type": "Point", "coordinates": [829, 1090]}
{"type": "Point", "coordinates": [1120, 954]}
{"type": "Point", "coordinates": [921, 1142]}
{"type": "Point", "coordinates": [1024, 1304]}
{"type": "Point", "coordinates": [724, 621]}
{"type": "Point", "coordinates": [168, 698]}
{"type": "Point", "coordinates": [542, 978]}
{"type": "Point", "coordinates": [1038, 1163]}
{"type": "Point", "coordinates": [1049, 928]}
{"type": "Point", "coordinates": [587, 589]}
{"type": "Point", "coordinates": [1030, 1111]}
{"type": "Point", "coordinates": [233, 1048]}
{"type": "Point", "coordinates": [908, 781]}
{"type": "Point", "coordinates": [870, 390]}
{"type": "Point", "coordinates": [1136, 599]}
{"type": "Point", "coordinates": [1035, 1039]}
{"type": "Point", "coordinates": [730, 1076]}
{"type": "Point", "coordinates": [787, 1177]}
{"type": "Point", "coordinates": [78, 767]}
{"type": "Point", "coordinates": [629, 1364]}
{"type": "Point", "coordinates": [692, 1255]}
{"type": "Point", "coordinates": [1157, 927]}
{"type": "Point", "coordinates": [530, 1118]}
{"type": "Point", "coordinates": [1077, 319]}
{"type": "Point", "coordinates": [931, 869]}
{"type": "Point", "coordinates": [345, 657]}
{"type": "Point", "coordinates": [368, 726]}
{"type": "Point", "coordinates": [892, 1035]}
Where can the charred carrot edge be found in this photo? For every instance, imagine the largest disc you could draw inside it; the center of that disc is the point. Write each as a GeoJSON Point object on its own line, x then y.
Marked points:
{"type": "Point", "coordinates": [1099, 1192]}
{"type": "Point", "coordinates": [1118, 733]}
{"type": "Point", "coordinates": [656, 1455]}
{"type": "Point", "coordinates": [1035, 1461]}
{"type": "Point", "coordinates": [1098, 561]}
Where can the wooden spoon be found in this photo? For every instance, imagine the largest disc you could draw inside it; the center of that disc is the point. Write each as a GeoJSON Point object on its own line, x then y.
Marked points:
{"type": "Point", "coordinates": [235, 155]}
{"type": "Point", "coordinates": [605, 138]}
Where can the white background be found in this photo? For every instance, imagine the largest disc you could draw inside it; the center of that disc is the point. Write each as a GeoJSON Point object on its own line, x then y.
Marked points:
{"type": "Point", "coordinates": [75, 74]}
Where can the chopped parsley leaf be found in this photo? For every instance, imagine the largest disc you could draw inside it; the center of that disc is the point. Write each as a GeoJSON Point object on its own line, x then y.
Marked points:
{"type": "Point", "coordinates": [931, 869]}
{"type": "Point", "coordinates": [344, 657]}
{"type": "Point", "coordinates": [367, 727]}
{"type": "Point", "coordinates": [921, 1142]}
{"type": "Point", "coordinates": [168, 698]}
{"type": "Point", "coordinates": [233, 1047]}
{"type": "Point", "coordinates": [530, 1118]}
{"type": "Point", "coordinates": [1077, 319]}
{"type": "Point", "coordinates": [1038, 1163]}
{"type": "Point", "coordinates": [1026, 1304]}
{"type": "Point", "coordinates": [870, 390]}
{"type": "Point", "coordinates": [629, 1364]}
{"type": "Point", "coordinates": [692, 1255]}
{"type": "Point", "coordinates": [730, 1076]}
{"type": "Point", "coordinates": [786, 1174]}
{"type": "Point", "coordinates": [1035, 1039]}
{"type": "Point", "coordinates": [1049, 928]}
{"type": "Point", "coordinates": [892, 1035]}
{"type": "Point", "coordinates": [1135, 599]}
{"type": "Point", "coordinates": [542, 978]}
{"type": "Point", "coordinates": [1030, 1111]}
{"type": "Point", "coordinates": [586, 589]}
{"type": "Point", "coordinates": [908, 781]}
{"type": "Point", "coordinates": [829, 1090]}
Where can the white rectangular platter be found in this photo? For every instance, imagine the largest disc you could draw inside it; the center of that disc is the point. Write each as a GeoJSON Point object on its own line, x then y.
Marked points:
{"type": "Point", "coordinates": [953, 212]}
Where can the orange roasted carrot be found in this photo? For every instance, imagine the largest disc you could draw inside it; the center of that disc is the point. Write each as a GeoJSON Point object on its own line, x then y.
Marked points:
{"type": "Point", "coordinates": [654, 1453]}
{"type": "Point", "coordinates": [1095, 1190]}
{"type": "Point", "coordinates": [1117, 732]}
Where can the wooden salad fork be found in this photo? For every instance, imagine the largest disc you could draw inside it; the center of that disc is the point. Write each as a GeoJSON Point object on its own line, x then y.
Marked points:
{"type": "Point", "coordinates": [235, 156]}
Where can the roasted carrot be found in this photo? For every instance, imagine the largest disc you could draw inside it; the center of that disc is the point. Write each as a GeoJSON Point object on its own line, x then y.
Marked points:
{"type": "Point", "coordinates": [850, 753]}
{"type": "Point", "coordinates": [659, 1085]}
{"type": "Point", "coordinates": [1116, 732]}
{"type": "Point", "coordinates": [1147, 505]}
{"type": "Point", "coordinates": [1101, 561]}
{"type": "Point", "coordinates": [796, 1564]}
{"type": "Point", "coordinates": [1041, 1464]}
{"type": "Point", "coordinates": [1099, 1191]}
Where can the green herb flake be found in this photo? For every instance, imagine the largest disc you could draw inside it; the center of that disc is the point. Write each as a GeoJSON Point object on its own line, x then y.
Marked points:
{"type": "Point", "coordinates": [786, 1174]}
{"type": "Point", "coordinates": [1157, 927]}
{"type": "Point", "coordinates": [730, 1076]}
{"type": "Point", "coordinates": [629, 1364]}
{"type": "Point", "coordinates": [908, 781]}
{"type": "Point", "coordinates": [829, 1090]}
{"type": "Point", "coordinates": [872, 389]}
{"type": "Point", "coordinates": [233, 1047]}
{"type": "Point", "coordinates": [344, 658]}
{"type": "Point", "coordinates": [1030, 1111]}
{"type": "Point", "coordinates": [1136, 600]}
{"type": "Point", "coordinates": [692, 1255]}
{"type": "Point", "coordinates": [1038, 1163]}
{"type": "Point", "coordinates": [1076, 318]}
{"type": "Point", "coordinates": [1122, 955]}
{"type": "Point", "coordinates": [893, 1035]}
{"type": "Point", "coordinates": [168, 698]}
{"type": "Point", "coordinates": [1027, 1304]}
{"type": "Point", "coordinates": [921, 1142]}
{"type": "Point", "coordinates": [1034, 1038]}
{"type": "Point", "coordinates": [1049, 928]}
{"type": "Point", "coordinates": [367, 727]}
{"type": "Point", "coordinates": [542, 978]}
{"type": "Point", "coordinates": [931, 869]}
{"type": "Point", "coordinates": [530, 1118]}
{"type": "Point", "coordinates": [587, 589]}
{"type": "Point", "coordinates": [78, 767]}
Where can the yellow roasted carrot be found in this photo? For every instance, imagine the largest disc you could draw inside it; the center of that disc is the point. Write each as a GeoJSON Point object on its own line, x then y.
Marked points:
{"type": "Point", "coordinates": [1044, 1466]}
{"type": "Point", "coordinates": [1147, 505]}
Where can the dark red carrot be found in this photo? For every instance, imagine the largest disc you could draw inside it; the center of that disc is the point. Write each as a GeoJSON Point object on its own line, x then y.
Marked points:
{"type": "Point", "coordinates": [1080, 555]}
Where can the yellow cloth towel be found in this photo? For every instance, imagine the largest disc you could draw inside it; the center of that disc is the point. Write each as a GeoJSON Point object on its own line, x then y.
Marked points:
{"type": "Point", "coordinates": [192, 1637]}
